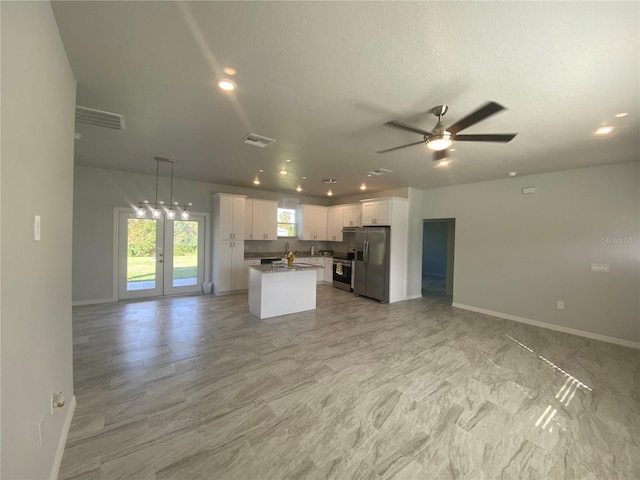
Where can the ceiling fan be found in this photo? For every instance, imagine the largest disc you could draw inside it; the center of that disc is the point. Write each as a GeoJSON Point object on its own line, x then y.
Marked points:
{"type": "Point", "coordinates": [441, 137]}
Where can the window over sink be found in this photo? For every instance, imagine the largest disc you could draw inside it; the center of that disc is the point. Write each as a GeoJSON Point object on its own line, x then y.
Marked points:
{"type": "Point", "coordinates": [286, 222]}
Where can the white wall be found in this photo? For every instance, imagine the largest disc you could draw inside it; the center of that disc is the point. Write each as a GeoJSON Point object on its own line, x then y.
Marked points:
{"type": "Point", "coordinates": [38, 99]}
{"type": "Point", "coordinates": [414, 246]}
{"type": "Point", "coordinates": [98, 191]}
{"type": "Point", "coordinates": [519, 254]}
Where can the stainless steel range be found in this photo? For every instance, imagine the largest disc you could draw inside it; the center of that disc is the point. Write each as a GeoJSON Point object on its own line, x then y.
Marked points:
{"type": "Point", "coordinates": [343, 272]}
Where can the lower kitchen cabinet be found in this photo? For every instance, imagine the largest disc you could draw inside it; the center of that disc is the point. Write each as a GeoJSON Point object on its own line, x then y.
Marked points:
{"type": "Point", "coordinates": [228, 266]}
{"type": "Point", "coordinates": [328, 270]}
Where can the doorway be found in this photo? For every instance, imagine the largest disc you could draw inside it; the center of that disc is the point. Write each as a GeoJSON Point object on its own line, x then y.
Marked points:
{"type": "Point", "coordinates": [159, 257]}
{"type": "Point", "coordinates": [438, 251]}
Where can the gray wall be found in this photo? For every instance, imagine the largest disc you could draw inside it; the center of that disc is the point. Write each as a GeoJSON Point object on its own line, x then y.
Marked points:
{"type": "Point", "coordinates": [434, 250]}
{"type": "Point", "coordinates": [519, 254]}
{"type": "Point", "coordinates": [38, 98]}
{"type": "Point", "coordinates": [98, 191]}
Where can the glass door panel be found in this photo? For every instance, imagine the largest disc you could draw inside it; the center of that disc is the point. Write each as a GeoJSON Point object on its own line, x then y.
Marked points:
{"type": "Point", "coordinates": [140, 256]}
{"type": "Point", "coordinates": [185, 240]}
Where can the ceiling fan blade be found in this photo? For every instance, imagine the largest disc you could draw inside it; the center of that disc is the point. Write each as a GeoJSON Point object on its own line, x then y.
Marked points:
{"type": "Point", "coordinates": [489, 137]}
{"type": "Point", "coordinates": [401, 146]}
{"type": "Point", "coordinates": [440, 155]}
{"type": "Point", "coordinates": [480, 114]}
{"type": "Point", "coordinates": [409, 128]}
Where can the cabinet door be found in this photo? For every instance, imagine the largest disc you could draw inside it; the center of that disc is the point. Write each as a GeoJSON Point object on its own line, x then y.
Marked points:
{"type": "Point", "coordinates": [258, 220]}
{"type": "Point", "coordinates": [368, 213]}
{"type": "Point", "coordinates": [306, 219]}
{"type": "Point", "coordinates": [328, 270]}
{"type": "Point", "coordinates": [237, 265]}
{"type": "Point", "coordinates": [237, 218]}
{"type": "Point", "coordinates": [335, 219]}
{"type": "Point", "coordinates": [383, 213]}
{"type": "Point", "coordinates": [321, 223]}
{"type": "Point", "coordinates": [248, 219]}
{"type": "Point", "coordinates": [352, 214]}
{"type": "Point", "coordinates": [271, 220]}
{"type": "Point", "coordinates": [224, 266]}
{"type": "Point", "coordinates": [226, 218]}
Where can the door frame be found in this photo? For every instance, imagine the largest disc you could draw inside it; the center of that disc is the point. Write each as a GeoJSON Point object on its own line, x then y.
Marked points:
{"type": "Point", "coordinates": [450, 254]}
{"type": "Point", "coordinates": [115, 263]}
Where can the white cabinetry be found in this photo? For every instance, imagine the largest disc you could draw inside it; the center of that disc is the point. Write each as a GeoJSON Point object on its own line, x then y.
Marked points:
{"type": "Point", "coordinates": [312, 222]}
{"type": "Point", "coordinates": [247, 264]}
{"type": "Point", "coordinates": [261, 220]}
{"type": "Point", "coordinates": [228, 246]}
{"type": "Point", "coordinates": [335, 222]}
{"type": "Point", "coordinates": [352, 215]}
{"type": "Point", "coordinates": [317, 261]}
{"type": "Point", "coordinates": [328, 270]}
{"type": "Point", "coordinates": [376, 212]}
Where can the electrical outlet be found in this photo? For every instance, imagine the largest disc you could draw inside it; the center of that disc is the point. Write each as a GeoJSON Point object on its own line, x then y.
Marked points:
{"type": "Point", "coordinates": [560, 305]}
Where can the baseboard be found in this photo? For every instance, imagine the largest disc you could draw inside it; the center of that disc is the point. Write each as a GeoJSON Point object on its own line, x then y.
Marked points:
{"type": "Point", "coordinates": [93, 302]}
{"type": "Point", "coordinates": [55, 468]}
{"type": "Point", "coordinates": [550, 326]}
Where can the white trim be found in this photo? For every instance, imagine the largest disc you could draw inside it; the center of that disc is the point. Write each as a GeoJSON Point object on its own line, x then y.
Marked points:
{"type": "Point", "coordinates": [414, 296]}
{"type": "Point", "coordinates": [93, 302]}
{"type": "Point", "coordinates": [550, 326]}
{"type": "Point", "coordinates": [57, 460]}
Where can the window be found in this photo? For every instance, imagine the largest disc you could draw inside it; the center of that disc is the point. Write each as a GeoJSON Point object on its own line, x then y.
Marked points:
{"type": "Point", "coordinates": [286, 222]}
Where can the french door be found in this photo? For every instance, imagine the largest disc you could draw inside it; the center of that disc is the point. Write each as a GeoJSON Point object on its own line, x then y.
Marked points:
{"type": "Point", "coordinates": [157, 256]}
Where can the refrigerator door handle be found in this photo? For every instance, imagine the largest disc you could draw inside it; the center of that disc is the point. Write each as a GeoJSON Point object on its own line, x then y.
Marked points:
{"type": "Point", "coordinates": [366, 253]}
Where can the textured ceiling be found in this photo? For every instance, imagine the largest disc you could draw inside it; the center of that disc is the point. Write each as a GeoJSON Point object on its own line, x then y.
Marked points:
{"type": "Point", "coordinates": [323, 77]}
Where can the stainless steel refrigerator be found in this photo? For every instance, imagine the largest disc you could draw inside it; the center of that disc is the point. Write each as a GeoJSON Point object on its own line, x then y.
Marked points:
{"type": "Point", "coordinates": [372, 263]}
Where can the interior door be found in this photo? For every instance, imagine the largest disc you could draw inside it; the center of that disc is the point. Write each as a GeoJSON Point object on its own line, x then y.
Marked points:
{"type": "Point", "coordinates": [158, 256]}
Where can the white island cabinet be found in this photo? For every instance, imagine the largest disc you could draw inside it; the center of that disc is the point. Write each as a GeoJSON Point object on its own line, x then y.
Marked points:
{"type": "Point", "coordinates": [280, 290]}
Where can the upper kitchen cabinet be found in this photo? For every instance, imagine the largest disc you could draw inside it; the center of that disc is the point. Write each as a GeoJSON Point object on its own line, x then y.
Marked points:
{"type": "Point", "coordinates": [228, 216]}
{"type": "Point", "coordinates": [312, 222]}
{"type": "Point", "coordinates": [376, 212]}
{"type": "Point", "coordinates": [352, 215]}
{"type": "Point", "coordinates": [335, 222]}
{"type": "Point", "coordinates": [261, 220]}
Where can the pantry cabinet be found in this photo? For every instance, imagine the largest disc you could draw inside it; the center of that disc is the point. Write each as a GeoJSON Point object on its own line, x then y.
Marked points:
{"type": "Point", "coordinates": [228, 244]}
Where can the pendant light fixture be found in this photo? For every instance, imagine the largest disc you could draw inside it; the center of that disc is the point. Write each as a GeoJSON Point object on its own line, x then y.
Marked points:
{"type": "Point", "coordinates": [158, 207]}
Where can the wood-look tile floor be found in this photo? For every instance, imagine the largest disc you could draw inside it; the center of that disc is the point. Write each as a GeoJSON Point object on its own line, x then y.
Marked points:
{"type": "Point", "coordinates": [198, 388]}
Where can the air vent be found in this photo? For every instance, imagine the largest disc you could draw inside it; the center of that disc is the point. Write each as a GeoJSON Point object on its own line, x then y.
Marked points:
{"type": "Point", "coordinates": [98, 118]}
{"type": "Point", "coordinates": [379, 171]}
{"type": "Point", "coordinates": [329, 181]}
{"type": "Point", "coordinates": [257, 140]}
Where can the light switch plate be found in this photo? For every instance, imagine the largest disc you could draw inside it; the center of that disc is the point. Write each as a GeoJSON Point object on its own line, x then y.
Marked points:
{"type": "Point", "coordinates": [36, 228]}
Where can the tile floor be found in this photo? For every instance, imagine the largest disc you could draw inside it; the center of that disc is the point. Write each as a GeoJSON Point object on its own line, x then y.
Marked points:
{"type": "Point", "coordinates": [196, 387]}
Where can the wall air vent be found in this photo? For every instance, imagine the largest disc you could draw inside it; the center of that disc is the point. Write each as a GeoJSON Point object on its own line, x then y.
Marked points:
{"type": "Point", "coordinates": [98, 118]}
{"type": "Point", "coordinates": [257, 140]}
{"type": "Point", "coordinates": [379, 171]}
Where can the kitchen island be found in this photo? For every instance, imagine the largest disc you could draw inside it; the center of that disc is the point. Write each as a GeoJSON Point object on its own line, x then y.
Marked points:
{"type": "Point", "coordinates": [279, 289]}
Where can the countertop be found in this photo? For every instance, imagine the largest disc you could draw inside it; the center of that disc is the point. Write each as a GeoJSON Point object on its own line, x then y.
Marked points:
{"type": "Point", "coordinates": [258, 255]}
{"type": "Point", "coordinates": [296, 267]}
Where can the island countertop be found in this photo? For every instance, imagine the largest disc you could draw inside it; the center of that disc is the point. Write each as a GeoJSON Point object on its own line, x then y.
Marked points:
{"type": "Point", "coordinates": [296, 267]}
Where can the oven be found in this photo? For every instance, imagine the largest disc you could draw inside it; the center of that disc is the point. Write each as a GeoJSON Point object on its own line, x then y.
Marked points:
{"type": "Point", "coordinates": [343, 273]}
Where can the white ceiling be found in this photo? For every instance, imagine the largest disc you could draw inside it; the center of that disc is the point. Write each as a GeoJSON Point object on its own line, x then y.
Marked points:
{"type": "Point", "coordinates": [323, 77]}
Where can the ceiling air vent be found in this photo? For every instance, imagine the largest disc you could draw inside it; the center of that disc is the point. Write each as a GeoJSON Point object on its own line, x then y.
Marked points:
{"type": "Point", "coordinates": [257, 140]}
{"type": "Point", "coordinates": [379, 171]}
{"type": "Point", "coordinates": [98, 118]}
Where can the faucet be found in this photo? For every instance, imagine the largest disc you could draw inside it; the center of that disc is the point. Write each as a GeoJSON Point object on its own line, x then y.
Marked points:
{"type": "Point", "coordinates": [286, 248]}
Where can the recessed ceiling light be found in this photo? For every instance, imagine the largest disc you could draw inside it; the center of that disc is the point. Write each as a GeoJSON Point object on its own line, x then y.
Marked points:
{"type": "Point", "coordinates": [229, 70]}
{"type": "Point", "coordinates": [513, 174]}
{"type": "Point", "coordinates": [363, 187]}
{"type": "Point", "coordinates": [261, 171]}
{"type": "Point", "coordinates": [298, 188]}
{"type": "Point", "coordinates": [368, 174]}
{"type": "Point", "coordinates": [604, 130]}
{"type": "Point", "coordinates": [304, 178]}
{"type": "Point", "coordinates": [452, 149]}
{"type": "Point", "coordinates": [443, 163]}
{"type": "Point", "coordinates": [620, 115]}
{"type": "Point", "coordinates": [288, 160]}
{"type": "Point", "coordinates": [283, 171]}
{"type": "Point", "coordinates": [329, 193]}
{"type": "Point", "coordinates": [77, 136]}
{"type": "Point", "coordinates": [256, 181]}
{"type": "Point", "coordinates": [227, 85]}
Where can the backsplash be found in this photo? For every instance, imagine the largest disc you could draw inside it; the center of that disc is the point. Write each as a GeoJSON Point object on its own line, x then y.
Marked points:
{"type": "Point", "coordinates": [299, 246]}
